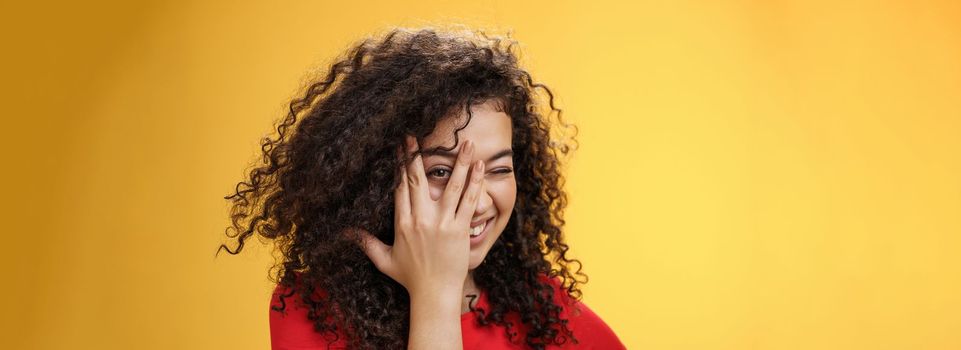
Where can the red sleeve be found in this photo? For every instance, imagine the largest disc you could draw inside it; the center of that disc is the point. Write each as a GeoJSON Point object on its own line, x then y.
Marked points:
{"type": "Point", "coordinates": [291, 330]}
{"type": "Point", "coordinates": [591, 332]}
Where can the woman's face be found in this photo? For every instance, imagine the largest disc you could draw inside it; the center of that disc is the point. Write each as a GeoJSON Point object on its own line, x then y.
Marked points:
{"type": "Point", "coordinates": [490, 131]}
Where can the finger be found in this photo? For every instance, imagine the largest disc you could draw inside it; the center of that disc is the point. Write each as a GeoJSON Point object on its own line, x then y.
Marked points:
{"type": "Point", "coordinates": [416, 178]}
{"type": "Point", "coordinates": [465, 211]}
{"type": "Point", "coordinates": [377, 251]}
{"type": "Point", "coordinates": [458, 178]}
{"type": "Point", "coordinates": [401, 193]}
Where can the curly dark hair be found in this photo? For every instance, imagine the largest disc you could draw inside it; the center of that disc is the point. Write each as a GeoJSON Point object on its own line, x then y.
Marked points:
{"type": "Point", "coordinates": [334, 170]}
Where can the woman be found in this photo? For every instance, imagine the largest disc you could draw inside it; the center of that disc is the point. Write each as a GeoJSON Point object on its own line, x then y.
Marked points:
{"type": "Point", "coordinates": [418, 204]}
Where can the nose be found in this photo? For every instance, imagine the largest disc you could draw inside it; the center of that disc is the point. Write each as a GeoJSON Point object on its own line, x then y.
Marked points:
{"type": "Point", "coordinates": [484, 203]}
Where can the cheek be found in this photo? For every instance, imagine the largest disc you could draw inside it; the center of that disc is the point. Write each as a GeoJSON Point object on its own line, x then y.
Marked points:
{"type": "Point", "coordinates": [504, 194]}
{"type": "Point", "coordinates": [436, 190]}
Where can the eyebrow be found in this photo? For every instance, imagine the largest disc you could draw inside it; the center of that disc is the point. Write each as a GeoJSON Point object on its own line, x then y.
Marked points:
{"type": "Point", "coordinates": [436, 151]}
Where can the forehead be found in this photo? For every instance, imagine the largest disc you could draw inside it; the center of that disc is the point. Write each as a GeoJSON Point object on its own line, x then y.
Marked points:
{"type": "Point", "coordinates": [489, 129]}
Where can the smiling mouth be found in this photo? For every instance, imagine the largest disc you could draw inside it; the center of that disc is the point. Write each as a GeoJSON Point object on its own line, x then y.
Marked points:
{"type": "Point", "coordinates": [477, 230]}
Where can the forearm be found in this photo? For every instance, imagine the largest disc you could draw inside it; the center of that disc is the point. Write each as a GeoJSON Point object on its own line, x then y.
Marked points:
{"type": "Point", "coordinates": [435, 321]}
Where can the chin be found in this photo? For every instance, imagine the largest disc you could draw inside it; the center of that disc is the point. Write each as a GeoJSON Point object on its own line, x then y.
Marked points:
{"type": "Point", "coordinates": [477, 256]}
{"type": "Point", "coordinates": [476, 259]}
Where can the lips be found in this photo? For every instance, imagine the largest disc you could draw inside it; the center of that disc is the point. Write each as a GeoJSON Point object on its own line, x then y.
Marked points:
{"type": "Point", "coordinates": [479, 228]}
{"type": "Point", "coordinates": [476, 230]}
{"type": "Point", "coordinates": [476, 223]}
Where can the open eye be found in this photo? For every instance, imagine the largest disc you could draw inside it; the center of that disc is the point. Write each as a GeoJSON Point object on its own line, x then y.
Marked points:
{"type": "Point", "coordinates": [439, 173]}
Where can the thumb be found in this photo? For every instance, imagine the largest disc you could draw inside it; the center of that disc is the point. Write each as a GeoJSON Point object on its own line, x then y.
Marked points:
{"type": "Point", "coordinates": [377, 251]}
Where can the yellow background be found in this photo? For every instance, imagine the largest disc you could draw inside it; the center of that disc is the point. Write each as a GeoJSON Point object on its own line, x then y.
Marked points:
{"type": "Point", "coordinates": [752, 174]}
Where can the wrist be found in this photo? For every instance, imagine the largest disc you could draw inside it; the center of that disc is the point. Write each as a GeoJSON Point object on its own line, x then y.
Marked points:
{"type": "Point", "coordinates": [434, 316]}
{"type": "Point", "coordinates": [449, 294]}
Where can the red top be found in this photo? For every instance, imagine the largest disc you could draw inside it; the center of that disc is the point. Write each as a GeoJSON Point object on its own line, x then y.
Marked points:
{"type": "Point", "coordinates": [292, 330]}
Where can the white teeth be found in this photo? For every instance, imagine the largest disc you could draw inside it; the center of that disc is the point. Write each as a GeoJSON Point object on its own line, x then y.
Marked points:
{"type": "Point", "coordinates": [474, 231]}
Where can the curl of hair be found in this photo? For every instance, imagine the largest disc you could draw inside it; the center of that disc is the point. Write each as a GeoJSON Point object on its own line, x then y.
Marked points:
{"type": "Point", "coordinates": [329, 168]}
